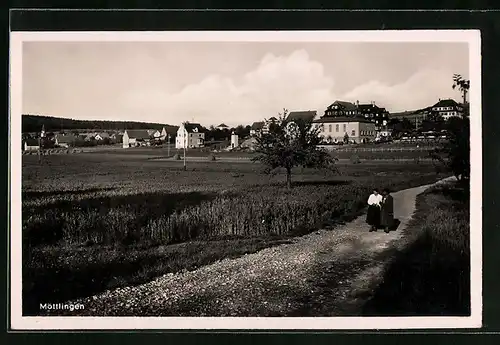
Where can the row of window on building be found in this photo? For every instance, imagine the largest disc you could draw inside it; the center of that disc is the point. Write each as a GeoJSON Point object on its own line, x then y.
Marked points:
{"type": "Point", "coordinates": [442, 108]}
{"type": "Point", "coordinates": [344, 129]}
{"type": "Point", "coordinates": [350, 112]}
{"type": "Point", "coordinates": [449, 113]}
{"type": "Point", "coordinates": [337, 128]}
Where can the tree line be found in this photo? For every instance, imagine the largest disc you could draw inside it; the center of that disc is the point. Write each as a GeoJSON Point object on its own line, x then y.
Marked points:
{"type": "Point", "coordinates": [34, 123]}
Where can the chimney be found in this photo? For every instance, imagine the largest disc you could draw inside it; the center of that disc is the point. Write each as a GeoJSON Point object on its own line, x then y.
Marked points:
{"type": "Point", "coordinates": [357, 103]}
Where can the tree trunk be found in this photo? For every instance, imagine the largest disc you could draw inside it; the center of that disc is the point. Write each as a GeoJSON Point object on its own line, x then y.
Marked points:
{"type": "Point", "coordinates": [289, 178]}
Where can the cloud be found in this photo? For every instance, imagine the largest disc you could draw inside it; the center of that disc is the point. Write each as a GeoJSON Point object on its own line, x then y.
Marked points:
{"type": "Point", "coordinates": [294, 82]}
{"type": "Point", "coordinates": [231, 83]}
{"type": "Point", "coordinates": [422, 89]}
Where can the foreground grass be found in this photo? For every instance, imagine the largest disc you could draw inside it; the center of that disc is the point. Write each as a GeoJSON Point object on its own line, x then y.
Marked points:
{"type": "Point", "coordinates": [61, 273]}
{"type": "Point", "coordinates": [432, 275]}
{"type": "Point", "coordinates": [136, 219]}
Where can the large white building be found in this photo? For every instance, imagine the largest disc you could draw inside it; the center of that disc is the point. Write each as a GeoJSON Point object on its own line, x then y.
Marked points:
{"type": "Point", "coordinates": [190, 135]}
{"type": "Point", "coordinates": [447, 108]}
{"type": "Point", "coordinates": [338, 129]}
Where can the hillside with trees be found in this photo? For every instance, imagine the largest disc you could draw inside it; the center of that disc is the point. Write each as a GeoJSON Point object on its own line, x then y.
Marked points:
{"type": "Point", "coordinates": [33, 123]}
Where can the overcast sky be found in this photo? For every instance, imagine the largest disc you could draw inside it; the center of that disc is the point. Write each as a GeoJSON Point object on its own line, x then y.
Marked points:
{"type": "Point", "coordinates": [234, 83]}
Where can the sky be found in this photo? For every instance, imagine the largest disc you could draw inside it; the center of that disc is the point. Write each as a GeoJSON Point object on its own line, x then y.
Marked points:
{"type": "Point", "coordinates": [232, 82]}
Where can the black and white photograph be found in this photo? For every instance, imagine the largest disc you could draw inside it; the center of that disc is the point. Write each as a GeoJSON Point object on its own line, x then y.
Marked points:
{"type": "Point", "coordinates": [245, 180]}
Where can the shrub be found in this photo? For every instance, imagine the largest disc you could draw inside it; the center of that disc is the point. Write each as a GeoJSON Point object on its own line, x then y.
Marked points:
{"type": "Point", "coordinates": [355, 159]}
{"type": "Point", "coordinates": [177, 157]}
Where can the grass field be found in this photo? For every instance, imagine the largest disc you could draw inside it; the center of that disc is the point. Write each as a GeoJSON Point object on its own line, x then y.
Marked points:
{"type": "Point", "coordinates": [431, 275]}
{"type": "Point", "coordinates": [95, 221]}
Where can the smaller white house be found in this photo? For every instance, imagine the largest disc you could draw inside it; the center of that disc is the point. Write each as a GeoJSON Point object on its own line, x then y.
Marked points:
{"type": "Point", "coordinates": [234, 140]}
{"type": "Point", "coordinates": [101, 136]}
{"type": "Point", "coordinates": [31, 145]}
{"type": "Point", "coordinates": [222, 127]}
{"type": "Point", "coordinates": [190, 135]}
{"type": "Point", "coordinates": [65, 140]}
{"type": "Point", "coordinates": [256, 128]}
{"type": "Point", "coordinates": [133, 138]}
{"type": "Point", "coordinates": [154, 133]}
{"type": "Point", "coordinates": [163, 134]}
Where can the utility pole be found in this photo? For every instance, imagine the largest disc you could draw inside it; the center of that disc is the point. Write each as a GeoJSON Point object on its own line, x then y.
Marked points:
{"type": "Point", "coordinates": [184, 135]}
{"type": "Point", "coordinates": [185, 168]}
{"type": "Point", "coordinates": [40, 149]}
{"type": "Point", "coordinates": [40, 141]}
{"type": "Point", "coordinates": [168, 145]}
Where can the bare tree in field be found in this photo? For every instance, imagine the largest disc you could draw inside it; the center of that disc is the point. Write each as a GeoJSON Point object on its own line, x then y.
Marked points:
{"type": "Point", "coordinates": [462, 84]}
{"type": "Point", "coordinates": [292, 144]}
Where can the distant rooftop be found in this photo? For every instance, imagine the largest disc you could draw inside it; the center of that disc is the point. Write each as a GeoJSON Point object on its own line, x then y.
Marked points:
{"type": "Point", "coordinates": [138, 133]}
{"type": "Point", "coordinates": [257, 125]}
{"type": "Point", "coordinates": [333, 119]}
{"type": "Point", "coordinates": [446, 103]}
{"type": "Point", "coordinates": [193, 127]}
{"type": "Point", "coordinates": [308, 115]}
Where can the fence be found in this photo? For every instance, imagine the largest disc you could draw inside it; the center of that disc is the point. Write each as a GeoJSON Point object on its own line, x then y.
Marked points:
{"type": "Point", "coordinates": [383, 149]}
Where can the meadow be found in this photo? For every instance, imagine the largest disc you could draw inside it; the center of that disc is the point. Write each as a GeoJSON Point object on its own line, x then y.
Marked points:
{"type": "Point", "coordinates": [96, 221]}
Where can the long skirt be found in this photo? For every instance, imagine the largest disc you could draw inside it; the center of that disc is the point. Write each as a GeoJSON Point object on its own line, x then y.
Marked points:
{"type": "Point", "coordinates": [386, 218]}
{"type": "Point", "coordinates": [373, 215]}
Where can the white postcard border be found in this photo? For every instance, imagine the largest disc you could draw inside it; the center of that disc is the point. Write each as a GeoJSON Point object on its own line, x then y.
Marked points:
{"type": "Point", "coordinates": [19, 322]}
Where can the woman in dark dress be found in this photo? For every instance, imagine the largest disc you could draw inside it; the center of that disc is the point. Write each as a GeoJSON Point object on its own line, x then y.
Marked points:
{"type": "Point", "coordinates": [373, 214]}
{"type": "Point", "coordinates": [387, 210]}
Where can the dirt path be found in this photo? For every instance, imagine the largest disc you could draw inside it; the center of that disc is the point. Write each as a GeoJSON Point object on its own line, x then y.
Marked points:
{"type": "Point", "coordinates": [328, 272]}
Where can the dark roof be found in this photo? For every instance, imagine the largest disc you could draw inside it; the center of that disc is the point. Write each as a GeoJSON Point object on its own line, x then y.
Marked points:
{"type": "Point", "coordinates": [446, 103]}
{"type": "Point", "coordinates": [301, 115]}
{"type": "Point", "coordinates": [190, 127]}
{"type": "Point", "coordinates": [369, 106]}
{"type": "Point", "coordinates": [331, 119]}
{"type": "Point", "coordinates": [273, 119]}
{"type": "Point", "coordinates": [68, 138]}
{"type": "Point", "coordinates": [346, 105]}
{"type": "Point", "coordinates": [138, 133]}
{"type": "Point", "coordinates": [223, 125]}
{"type": "Point", "coordinates": [257, 125]}
{"type": "Point", "coordinates": [31, 142]}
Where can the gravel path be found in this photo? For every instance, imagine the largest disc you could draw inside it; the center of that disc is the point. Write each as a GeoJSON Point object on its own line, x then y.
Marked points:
{"type": "Point", "coordinates": [328, 272]}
